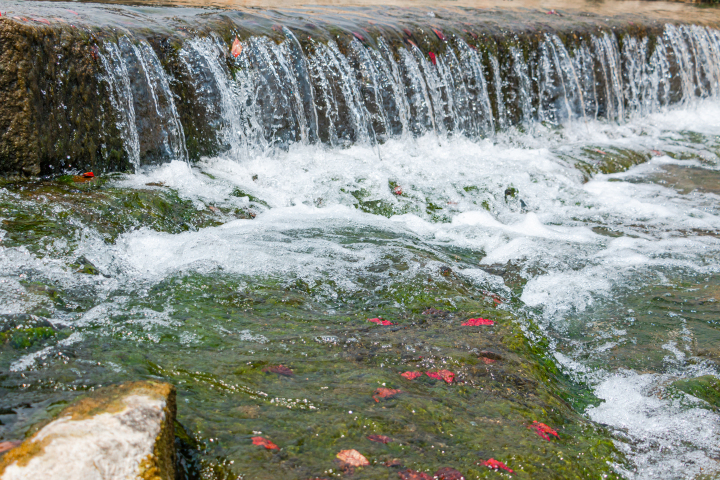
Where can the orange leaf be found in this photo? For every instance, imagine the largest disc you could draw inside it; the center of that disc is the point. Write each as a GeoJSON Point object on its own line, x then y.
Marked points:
{"type": "Point", "coordinates": [379, 438]}
{"type": "Point", "coordinates": [279, 369]}
{"type": "Point", "coordinates": [492, 463]}
{"type": "Point", "coordinates": [543, 430]}
{"type": "Point", "coordinates": [476, 322]}
{"type": "Point", "coordinates": [411, 375]}
{"type": "Point", "coordinates": [380, 321]}
{"type": "Point", "coordinates": [446, 375]}
{"type": "Point", "coordinates": [236, 48]}
{"type": "Point", "coordinates": [264, 442]}
{"type": "Point", "coordinates": [9, 445]}
{"type": "Point", "coordinates": [447, 473]}
{"type": "Point", "coordinates": [383, 392]}
{"type": "Point", "coordinates": [353, 458]}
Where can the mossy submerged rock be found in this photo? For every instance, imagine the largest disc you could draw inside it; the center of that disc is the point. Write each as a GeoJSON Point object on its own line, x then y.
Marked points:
{"type": "Point", "coordinates": [121, 431]}
{"type": "Point", "coordinates": [706, 388]}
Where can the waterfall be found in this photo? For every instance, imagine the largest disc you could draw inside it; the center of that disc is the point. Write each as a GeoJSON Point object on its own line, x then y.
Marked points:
{"type": "Point", "coordinates": [341, 91]}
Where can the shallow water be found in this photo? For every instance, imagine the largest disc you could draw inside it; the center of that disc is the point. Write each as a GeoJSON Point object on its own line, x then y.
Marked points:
{"type": "Point", "coordinates": [206, 275]}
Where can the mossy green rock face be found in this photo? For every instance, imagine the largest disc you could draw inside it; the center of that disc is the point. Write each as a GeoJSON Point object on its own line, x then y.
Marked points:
{"type": "Point", "coordinates": [123, 431]}
{"type": "Point", "coordinates": [706, 388]}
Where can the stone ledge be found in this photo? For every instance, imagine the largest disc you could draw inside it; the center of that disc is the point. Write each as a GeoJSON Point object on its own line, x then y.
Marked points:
{"type": "Point", "coordinates": [122, 431]}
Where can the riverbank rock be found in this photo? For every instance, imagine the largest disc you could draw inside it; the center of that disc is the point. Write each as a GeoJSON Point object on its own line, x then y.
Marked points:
{"type": "Point", "coordinates": [122, 431]}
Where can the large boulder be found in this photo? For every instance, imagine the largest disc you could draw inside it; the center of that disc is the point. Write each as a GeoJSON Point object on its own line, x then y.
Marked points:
{"type": "Point", "coordinates": [123, 431]}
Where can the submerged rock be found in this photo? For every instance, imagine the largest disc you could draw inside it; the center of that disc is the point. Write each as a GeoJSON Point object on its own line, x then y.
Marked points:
{"type": "Point", "coordinates": [122, 431]}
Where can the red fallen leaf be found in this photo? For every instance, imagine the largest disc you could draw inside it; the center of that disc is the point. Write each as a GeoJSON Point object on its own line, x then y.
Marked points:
{"type": "Point", "coordinates": [236, 48]}
{"type": "Point", "coordinates": [73, 12]}
{"type": "Point", "coordinates": [358, 36]}
{"type": "Point", "coordinates": [383, 392]}
{"type": "Point", "coordinates": [476, 322]}
{"type": "Point", "coordinates": [88, 174]}
{"type": "Point", "coordinates": [492, 463]}
{"type": "Point", "coordinates": [433, 59]}
{"type": "Point", "coordinates": [599, 151]}
{"type": "Point", "coordinates": [397, 190]}
{"type": "Point", "coordinates": [279, 369]}
{"type": "Point", "coordinates": [446, 375]}
{"type": "Point", "coordinates": [447, 473]}
{"type": "Point", "coordinates": [5, 446]}
{"type": "Point", "coordinates": [411, 42]}
{"type": "Point", "coordinates": [413, 475]}
{"type": "Point", "coordinates": [543, 430]}
{"type": "Point", "coordinates": [439, 34]}
{"type": "Point", "coordinates": [488, 361]}
{"type": "Point", "coordinates": [657, 153]}
{"type": "Point", "coordinates": [411, 375]}
{"type": "Point", "coordinates": [353, 458]}
{"type": "Point", "coordinates": [41, 20]}
{"type": "Point", "coordinates": [407, 32]}
{"type": "Point", "coordinates": [380, 321]}
{"type": "Point", "coordinates": [264, 442]}
{"type": "Point", "coordinates": [379, 438]}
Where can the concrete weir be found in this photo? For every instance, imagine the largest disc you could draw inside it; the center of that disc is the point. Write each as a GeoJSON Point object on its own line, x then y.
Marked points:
{"type": "Point", "coordinates": [114, 88]}
{"type": "Point", "coordinates": [122, 431]}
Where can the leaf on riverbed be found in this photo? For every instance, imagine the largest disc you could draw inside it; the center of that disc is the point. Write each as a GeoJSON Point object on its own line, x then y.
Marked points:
{"type": "Point", "coordinates": [264, 442]}
{"type": "Point", "coordinates": [446, 375]}
{"type": "Point", "coordinates": [380, 321]}
{"type": "Point", "coordinates": [383, 392]}
{"type": "Point", "coordinates": [476, 322]}
{"type": "Point", "coordinates": [379, 438]}
{"type": "Point", "coordinates": [495, 464]}
{"type": "Point", "coordinates": [439, 34]}
{"type": "Point", "coordinates": [5, 446]}
{"type": "Point", "coordinates": [543, 430]}
{"type": "Point", "coordinates": [447, 473]}
{"type": "Point", "coordinates": [413, 475]}
{"type": "Point", "coordinates": [353, 458]}
{"type": "Point", "coordinates": [279, 369]}
{"type": "Point", "coordinates": [433, 59]}
{"type": "Point", "coordinates": [236, 48]}
{"type": "Point", "coordinates": [411, 375]}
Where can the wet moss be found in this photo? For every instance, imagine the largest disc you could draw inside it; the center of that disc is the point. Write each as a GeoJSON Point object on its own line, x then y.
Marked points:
{"type": "Point", "coordinates": [706, 387]}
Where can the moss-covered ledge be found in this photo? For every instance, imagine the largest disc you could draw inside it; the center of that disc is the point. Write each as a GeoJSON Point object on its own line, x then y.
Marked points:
{"type": "Point", "coordinates": [120, 431]}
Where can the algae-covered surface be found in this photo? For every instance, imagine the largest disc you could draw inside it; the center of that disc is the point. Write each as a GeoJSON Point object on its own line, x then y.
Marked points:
{"type": "Point", "coordinates": [285, 296]}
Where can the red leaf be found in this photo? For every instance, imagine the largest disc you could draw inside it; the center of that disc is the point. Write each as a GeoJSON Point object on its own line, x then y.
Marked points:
{"type": "Point", "coordinates": [380, 321]}
{"type": "Point", "coordinates": [407, 32]}
{"type": "Point", "coordinates": [446, 375]}
{"type": "Point", "coordinates": [439, 34]}
{"type": "Point", "coordinates": [411, 375]}
{"type": "Point", "coordinates": [488, 361]}
{"type": "Point", "coordinates": [41, 20]}
{"type": "Point", "coordinates": [599, 151]}
{"type": "Point", "coordinates": [88, 174]}
{"type": "Point", "coordinates": [5, 446]}
{"type": "Point", "coordinates": [279, 369]}
{"type": "Point", "coordinates": [411, 42]}
{"type": "Point", "coordinates": [352, 458]}
{"type": "Point", "coordinates": [383, 392]}
{"type": "Point", "coordinates": [264, 442]}
{"type": "Point", "coordinates": [236, 48]}
{"type": "Point", "coordinates": [476, 322]}
{"type": "Point", "coordinates": [543, 430]}
{"type": "Point", "coordinates": [657, 153]}
{"type": "Point", "coordinates": [73, 12]}
{"type": "Point", "coordinates": [413, 475]}
{"type": "Point", "coordinates": [447, 473]}
{"type": "Point", "coordinates": [492, 463]}
{"type": "Point", "coordinates": [358, 36]}
{"type": "Point", "coordinates": [379, 438]}
{"type": "Point", "coordinates": [397, 190]}
{"type": "Point", "coordinates": [432, 58]}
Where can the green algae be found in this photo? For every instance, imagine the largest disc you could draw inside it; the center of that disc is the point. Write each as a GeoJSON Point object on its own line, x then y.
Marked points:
{"type": "Point", "coordinates": [706, 387]}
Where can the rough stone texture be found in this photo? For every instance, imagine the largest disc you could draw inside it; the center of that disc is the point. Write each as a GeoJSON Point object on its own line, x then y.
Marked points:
{"type": "Point", "coordinates": [54, 113]}
{"type": "Point", "coordinates": [124, 431]}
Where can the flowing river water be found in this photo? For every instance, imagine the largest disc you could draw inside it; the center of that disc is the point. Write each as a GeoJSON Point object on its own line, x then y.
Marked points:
{"type": "Point", "coordinates": [569, 193]}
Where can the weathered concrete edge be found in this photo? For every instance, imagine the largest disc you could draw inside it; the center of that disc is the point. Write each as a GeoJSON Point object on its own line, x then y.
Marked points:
{"type": "Point", "coordinates": [158, 465]}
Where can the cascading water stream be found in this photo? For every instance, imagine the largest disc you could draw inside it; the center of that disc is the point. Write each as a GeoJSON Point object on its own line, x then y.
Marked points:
{"type": "Point", "coordinates": [316, 214]}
